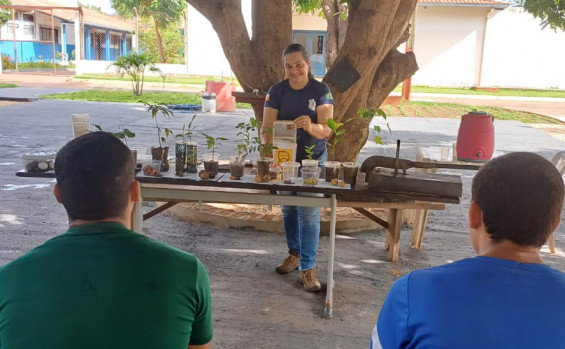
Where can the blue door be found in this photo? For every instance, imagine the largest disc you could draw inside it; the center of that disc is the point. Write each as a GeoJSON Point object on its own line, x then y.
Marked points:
{"type": "Point", "coordinates": [315, 44]}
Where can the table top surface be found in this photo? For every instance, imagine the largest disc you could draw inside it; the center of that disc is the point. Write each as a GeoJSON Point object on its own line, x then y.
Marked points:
{"type": "Point", "coordinates": [359, 192]}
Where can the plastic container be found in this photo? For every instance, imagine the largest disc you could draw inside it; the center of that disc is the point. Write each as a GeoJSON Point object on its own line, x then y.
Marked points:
{"type": "Point", "coordinates": [350, 170]}
{"type": "Point", "coordinates": [211, 162]}
{"type": "Point", "coordinates": [237, 166]}
{"type": "Point", "coordinates": [224, 94]}
{"type": "Point", "coordinates": [39, 161]}
{"type": "Point", "coordinates": [310, 163]}
{"type": "Point", "coordinates": [332, 170]}
{"type": "Point", "coordinates": [209, 103]}
{"type": "Point", "coordinates": [263, 166]}
{"type": "Point", "coordinates": [310, 176]}
{"type": "Point", "coordinates": [290, 172]}
{"type": "Point", "coordinates": [475, 139]}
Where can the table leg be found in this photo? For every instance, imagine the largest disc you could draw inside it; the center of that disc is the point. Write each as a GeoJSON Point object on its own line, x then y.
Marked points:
{"type": "Point", "coordinates": [419, 226]}
{"type": "Point", "coordinates": [329, 292]}
{"type": "Point", "coordinates": [137, 219]}
{"type": "Point", "coordinates": [393, 233]}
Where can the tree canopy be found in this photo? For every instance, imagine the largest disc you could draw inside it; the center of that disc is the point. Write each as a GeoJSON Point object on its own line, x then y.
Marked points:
{"type": "Point", "coordinates": [551, 12]}
{"type": "Point", "coordinates": [5, 14]}
{"type": "Point", "coordinates": [161, 12]}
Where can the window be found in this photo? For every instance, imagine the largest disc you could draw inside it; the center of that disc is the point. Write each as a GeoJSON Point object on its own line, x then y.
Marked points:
{"type": "Point", "coordinates": [45, 34]}
{"type": "Point", "coordinates": [27, 17]}
{"type": "Point", "coordinates": [115, 41]}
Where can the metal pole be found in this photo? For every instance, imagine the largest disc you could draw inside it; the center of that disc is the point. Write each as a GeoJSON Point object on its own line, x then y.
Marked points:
{"type": "Point", "coordinates": [14, 34]}
{"type": "Point", "coordinates": [328, 310]}
{"type": "Point", "coordinates": [53, 43]}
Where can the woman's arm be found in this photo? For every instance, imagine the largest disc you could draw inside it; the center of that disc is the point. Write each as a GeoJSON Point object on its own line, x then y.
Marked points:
{"type": "Point", "coordinates": [321, 129]}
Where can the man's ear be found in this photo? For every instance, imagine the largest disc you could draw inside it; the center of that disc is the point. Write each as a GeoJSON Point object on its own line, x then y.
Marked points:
{"type": "Point", "coordinates": [57, 193]}
{"type": "Point", "coordinates": [135, 191]}
{"type": "Point", "coordinates": [475, 215]}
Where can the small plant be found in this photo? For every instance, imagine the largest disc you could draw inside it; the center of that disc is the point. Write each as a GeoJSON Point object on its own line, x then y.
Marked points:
{"type": "Point", "coordinates": [124, 134]}
{"type": "Point", "coordinates": [213, 142]}
{"type": "Point", "coordinates": [265, 149]}
{"type": "Point", "coordinates": [309, 150]}
{"type": "Point", "coordinates": [339, 130]}
{"type": "Point", "coordinates": [155, 109]}
{"type": "Point", "coordinates": [247, 144]}
{"type": "Point", "coordinates": [187, 131]}
{"type": "Point", "coordinates": [134, 65]}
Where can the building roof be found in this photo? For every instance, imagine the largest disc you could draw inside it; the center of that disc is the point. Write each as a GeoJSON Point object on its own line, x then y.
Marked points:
{"type": "Point", "coordinates": [465, 3]}
{"type": "Point", "coordinates": [90, 17]}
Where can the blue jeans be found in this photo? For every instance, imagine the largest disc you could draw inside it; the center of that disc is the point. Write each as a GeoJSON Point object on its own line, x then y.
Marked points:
{"type": "Point", "coordinates": [302, 228]}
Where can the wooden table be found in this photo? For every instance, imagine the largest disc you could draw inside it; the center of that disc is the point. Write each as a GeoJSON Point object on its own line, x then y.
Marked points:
{"type": "Point", "coordinates": [172, 189]}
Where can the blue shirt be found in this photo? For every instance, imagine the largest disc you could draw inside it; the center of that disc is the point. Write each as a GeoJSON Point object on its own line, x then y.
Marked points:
{"type": "Point", "coordinates": [479, 302]}
{"type": "Point", "coordinates": [294, 103]}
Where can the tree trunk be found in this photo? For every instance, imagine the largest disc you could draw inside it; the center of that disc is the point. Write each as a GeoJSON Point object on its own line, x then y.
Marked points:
{"type": "Point", "coordinates": [374, 31]}
{"type": "Point", "coordinates": [337, 27]}
{"type": "Point", "coordinates": [159, 42]}
{"type": "Point", "coordinates": [256, 62]}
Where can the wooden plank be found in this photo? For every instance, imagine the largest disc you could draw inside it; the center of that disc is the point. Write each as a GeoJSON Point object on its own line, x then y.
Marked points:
{"type": "Point", "coordinates": [393, 234]}
{"type": "Point", "coordinates": [425, 183]}
{"type": "Point", "coordinates": [398, 205]}
{"type": "Point", "coordinates": [372, 216]}
{"type": "Point", "coordinates": [158, 210]}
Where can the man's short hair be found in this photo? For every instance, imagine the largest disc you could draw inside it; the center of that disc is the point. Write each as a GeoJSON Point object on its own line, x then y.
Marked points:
{"type": "Point", "coordinates": [521, 196]}
{"type": "Point", "coordinates": [94, 173]}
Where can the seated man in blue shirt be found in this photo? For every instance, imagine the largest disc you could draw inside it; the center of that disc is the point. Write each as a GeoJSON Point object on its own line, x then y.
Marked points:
{"type": "Point", "coordinates": [503, 298]}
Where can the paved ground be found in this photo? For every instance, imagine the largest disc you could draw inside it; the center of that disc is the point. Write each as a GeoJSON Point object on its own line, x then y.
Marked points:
{"type": "Point", "coordinates": [253, 306]}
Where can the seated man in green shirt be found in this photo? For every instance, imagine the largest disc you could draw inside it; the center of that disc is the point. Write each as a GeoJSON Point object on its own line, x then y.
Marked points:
{"type": "Point", "coordinates": [101, 285]}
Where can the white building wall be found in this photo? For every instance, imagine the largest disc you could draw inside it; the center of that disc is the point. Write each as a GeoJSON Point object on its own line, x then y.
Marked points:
{"type": "Point", "coordinates": [518, 53]}
{"type": "Point", "coordinates": [205, 53]}
{"type": "Point", "coordinates": [448, 45]}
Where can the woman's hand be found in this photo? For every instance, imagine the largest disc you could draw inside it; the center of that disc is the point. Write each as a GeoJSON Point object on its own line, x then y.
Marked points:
{"type": "Point", "coordinates": [304, 122]}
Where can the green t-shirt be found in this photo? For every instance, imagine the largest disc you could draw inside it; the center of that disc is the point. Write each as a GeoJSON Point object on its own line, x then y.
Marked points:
{"type": "Point", "coordinates": [104, 286]}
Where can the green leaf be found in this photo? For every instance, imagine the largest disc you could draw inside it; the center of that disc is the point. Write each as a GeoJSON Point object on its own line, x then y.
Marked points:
{"type": "Point", "coordinates": [381, 113]}
{"type": "Point", "coordinates": [128, 133]}
{"type": "Point", "coordinates": [378, 140]}
{"type": "Point", "coordinates": [98, 127]}
{"type": "Point", "coordinates": [332, 124]}
{"type": "Point", "coordinates": [167, 132]}
{"type": "Point", "coordinates": [377, 129]}
{"type": "Point", "coordinates": [340, 132]}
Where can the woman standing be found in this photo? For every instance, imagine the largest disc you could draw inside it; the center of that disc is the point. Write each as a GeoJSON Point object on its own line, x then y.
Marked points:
{"type": "Point", "coordinates": [310, 104]}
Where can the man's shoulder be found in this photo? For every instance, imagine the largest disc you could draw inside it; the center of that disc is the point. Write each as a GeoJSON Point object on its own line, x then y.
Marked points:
{"type": "Point", "coordinates": [479, 267]}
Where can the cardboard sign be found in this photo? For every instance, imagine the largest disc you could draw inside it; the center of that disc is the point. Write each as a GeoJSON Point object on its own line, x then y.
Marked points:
{"type": "Point", "coordinates": [284, 138]}
{"type": "Point", "coordinates": [81, 124]}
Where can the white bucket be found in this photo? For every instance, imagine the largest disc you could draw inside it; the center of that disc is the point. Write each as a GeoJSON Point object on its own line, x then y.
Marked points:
{"type": "Point", "coordinates": [209, 103]}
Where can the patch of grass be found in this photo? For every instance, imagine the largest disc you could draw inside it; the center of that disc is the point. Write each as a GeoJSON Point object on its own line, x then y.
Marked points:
{"type": "Point", "coordinates": [7, 85]}
{"type": "Point", "coordinates": [501, 91]}
{"type": "Point", "coordinates": [128, 97]}
{"type": "Point", "coordinates": [190, 80]}
{"type": "Point", "coordinates": [452, 110]}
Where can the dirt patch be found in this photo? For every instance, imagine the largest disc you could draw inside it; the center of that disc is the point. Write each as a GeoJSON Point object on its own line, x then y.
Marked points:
{"type": "Point", "coordinates": [557, 131]}
{"type": "Point", "coordinates": [5, 103]}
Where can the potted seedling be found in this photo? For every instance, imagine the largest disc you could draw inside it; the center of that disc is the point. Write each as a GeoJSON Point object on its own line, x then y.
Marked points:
{"type": "Point", "coordinates": [124, 135]}
{"type": "Point", "coordinates": [188, 147]}
{"type": "Point", "coordinates": [245, 145]}
{"type": "Point", "coordinates": [211, 160]}
{"type": "Point", "coordinates": [338, 130]}
{"type": "Point", "coordinates": [266, 158]}
{"type": "Point", "coordinates": [160, 154]}
{"type": "Point", "coordinates": [309, 161]}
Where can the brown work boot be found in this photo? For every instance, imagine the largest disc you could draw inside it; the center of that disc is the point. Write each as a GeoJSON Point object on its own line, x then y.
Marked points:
{"type": "Point", "coordinates": [289, 264]}
{"type": "Point", "coordinates": [308, 279]}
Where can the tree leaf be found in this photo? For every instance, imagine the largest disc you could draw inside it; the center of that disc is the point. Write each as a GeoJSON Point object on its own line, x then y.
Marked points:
{"type": "Point", "coordinates": [378, 140]}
